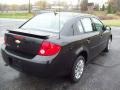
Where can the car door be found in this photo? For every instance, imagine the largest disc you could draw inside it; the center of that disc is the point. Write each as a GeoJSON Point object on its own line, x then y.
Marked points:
{"type": "Point", "coordinates": [92, 38]}
{"type": "Point", "coordinates": [104, 35]}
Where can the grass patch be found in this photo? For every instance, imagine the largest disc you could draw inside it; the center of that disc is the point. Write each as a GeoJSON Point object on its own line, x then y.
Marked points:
{"type": "Point", "coordinates": [23, 15]}
{"type": "Point", "coordinates": [112, 22]}
{"type": "Point", "coordinates": [99, 13]}
{"type": "Point", "coordinates": [16, 15]}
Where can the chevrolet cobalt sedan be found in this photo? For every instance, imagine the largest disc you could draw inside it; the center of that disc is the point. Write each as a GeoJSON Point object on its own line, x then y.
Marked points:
{"type": "Point", "coordinates": [56, 44]}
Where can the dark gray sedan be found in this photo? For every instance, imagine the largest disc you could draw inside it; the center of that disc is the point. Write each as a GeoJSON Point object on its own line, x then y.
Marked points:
{"type": "Point", "coordinates": [55, 44]}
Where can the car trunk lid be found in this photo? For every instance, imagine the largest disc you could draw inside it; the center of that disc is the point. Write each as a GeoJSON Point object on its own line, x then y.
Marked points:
{"type": "Point", "coordinates": [24, 43]}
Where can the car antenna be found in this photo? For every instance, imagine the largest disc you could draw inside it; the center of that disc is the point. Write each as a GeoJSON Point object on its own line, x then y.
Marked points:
{"type": "Point", "coordinates": [59, 20]}
{"type": "Point", "coordinates": [72, 14]}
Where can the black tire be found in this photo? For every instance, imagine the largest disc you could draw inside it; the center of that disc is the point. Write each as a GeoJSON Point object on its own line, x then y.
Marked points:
{"type": "Point", "coordinates": [73, 74]}
{"type": "Point", "coordinates": [107, 49]}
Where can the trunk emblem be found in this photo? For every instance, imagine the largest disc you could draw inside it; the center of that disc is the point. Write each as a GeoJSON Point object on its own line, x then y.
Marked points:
{"type": "Point", "coordinates": [17, 41]}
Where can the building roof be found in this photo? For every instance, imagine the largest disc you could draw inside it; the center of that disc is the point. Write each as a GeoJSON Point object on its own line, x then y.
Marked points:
{"type": "Point", "coordinates": [90, 4]}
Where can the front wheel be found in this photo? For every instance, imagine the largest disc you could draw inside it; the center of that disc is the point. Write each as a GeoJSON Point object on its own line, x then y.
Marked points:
{"type": "Point", "coordinates": [108, 46]}
{"type": "Point", "coordinates": [78, 69]}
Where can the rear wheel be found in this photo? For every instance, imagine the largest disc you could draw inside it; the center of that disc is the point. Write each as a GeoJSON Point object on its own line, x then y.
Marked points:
{"type": "Point", "coordinates": [78, 69]}
{"type": "Point", "coordinates": [108, 46]}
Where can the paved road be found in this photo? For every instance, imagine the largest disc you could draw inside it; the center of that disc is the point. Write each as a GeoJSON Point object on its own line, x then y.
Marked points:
{"type": "Point", "coordinates": [9, 24]}
{"type": "Point", "coordinates": [101, 74]}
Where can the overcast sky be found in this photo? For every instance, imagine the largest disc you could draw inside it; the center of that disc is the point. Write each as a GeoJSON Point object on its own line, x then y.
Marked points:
{"type": "Point", "coordinates": [33, 1]}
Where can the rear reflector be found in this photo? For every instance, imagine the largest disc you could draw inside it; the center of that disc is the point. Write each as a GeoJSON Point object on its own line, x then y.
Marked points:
{"type": "Point", "coordinates": [48, 49]}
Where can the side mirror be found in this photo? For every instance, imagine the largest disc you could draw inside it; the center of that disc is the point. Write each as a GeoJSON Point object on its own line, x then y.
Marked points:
{"type": "Point", "coordinates": [106, 28]}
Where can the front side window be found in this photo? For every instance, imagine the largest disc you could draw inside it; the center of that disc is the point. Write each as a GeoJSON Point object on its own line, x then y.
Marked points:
{"type": "Point", "coordinates": [98, 24]}
{"type": "Point", "coordinates": [87, 24]}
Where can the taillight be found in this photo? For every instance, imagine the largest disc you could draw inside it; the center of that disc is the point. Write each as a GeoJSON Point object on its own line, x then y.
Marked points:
{"type": "Point", "coordinates": [48, 49]}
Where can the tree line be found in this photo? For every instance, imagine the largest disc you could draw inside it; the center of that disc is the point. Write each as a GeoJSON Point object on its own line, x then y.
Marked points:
{"type": "Point", "coordinates": [13, 7]}
{"type": "Point", "coordinates": [40, 5]}
{"type": "Point", "coordinates": [112, 7]}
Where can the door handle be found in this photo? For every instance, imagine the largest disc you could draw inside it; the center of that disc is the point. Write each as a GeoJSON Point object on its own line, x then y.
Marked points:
{"type": "Point", "coordinates": [101, 35]}
{"type": "Point", "coordinates": [88, 41]}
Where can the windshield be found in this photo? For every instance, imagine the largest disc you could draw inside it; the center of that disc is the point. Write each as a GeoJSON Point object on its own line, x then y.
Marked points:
{"type": "Point", "coordinates": [46, 22]}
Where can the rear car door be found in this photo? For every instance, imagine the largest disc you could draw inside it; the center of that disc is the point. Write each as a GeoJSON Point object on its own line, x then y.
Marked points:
{"type": "Point", "coordinates": [92, 38]}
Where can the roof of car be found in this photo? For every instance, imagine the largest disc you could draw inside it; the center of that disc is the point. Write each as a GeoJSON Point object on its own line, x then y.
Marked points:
{"type": "Point", "coordinates": [70, 14]}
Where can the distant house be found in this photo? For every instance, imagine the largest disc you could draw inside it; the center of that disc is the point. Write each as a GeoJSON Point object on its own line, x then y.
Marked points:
{"type": "Point", "coordinates": [90, 7]}
{"type": "Point", "coordinates": [35, 8]}
{"type": "Point", "coordinates": [57, 7]}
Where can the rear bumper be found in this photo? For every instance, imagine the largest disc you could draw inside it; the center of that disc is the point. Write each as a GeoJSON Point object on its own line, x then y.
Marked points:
{"type": "Point", "coordinates": [43, 68]}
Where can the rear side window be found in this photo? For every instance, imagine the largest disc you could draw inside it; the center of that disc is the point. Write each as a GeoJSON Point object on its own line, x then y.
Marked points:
{"type": "Point", "coordinates": [87, 24]}
{"type": "Point", "coordinates": [80, 28]}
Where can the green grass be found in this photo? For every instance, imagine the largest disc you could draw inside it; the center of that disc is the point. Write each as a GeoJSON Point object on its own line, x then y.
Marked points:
{"type": "Point", "coordinates": [112, 22]}
{"type": "Point", "coordinates": [16, 15]}
{"type": "Point", "coordinates": [99, 13]}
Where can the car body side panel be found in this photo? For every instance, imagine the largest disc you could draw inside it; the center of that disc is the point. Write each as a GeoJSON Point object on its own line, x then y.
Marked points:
{"type": "Point", "coordinates": [72, 46]}
{"type": "Point", "coordinates": [105, 37]}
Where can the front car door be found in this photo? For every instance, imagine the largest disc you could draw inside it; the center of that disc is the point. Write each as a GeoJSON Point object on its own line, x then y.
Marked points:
{"type": "Point", "coordinates": [91, 36]}
{"type": "Point", "coordinates": [104, 35]}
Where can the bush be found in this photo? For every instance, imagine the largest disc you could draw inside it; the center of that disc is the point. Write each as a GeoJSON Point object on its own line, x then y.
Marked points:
{"type": "Point", "coordinates": [105, 17]}
{"type": "Point", "coordinates": [109, 9]}
{"type": "Point", "coordinates": [118, 13]}
{"type": "Point", "coordinates": [109, 17]}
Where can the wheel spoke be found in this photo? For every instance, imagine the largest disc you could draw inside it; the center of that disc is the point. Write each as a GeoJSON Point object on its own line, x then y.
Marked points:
{"type": "Point", "coordinates": [79, 69]}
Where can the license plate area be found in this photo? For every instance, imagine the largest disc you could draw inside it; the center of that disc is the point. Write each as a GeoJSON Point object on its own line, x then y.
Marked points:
{"type": "Point", "coordinates": [15, 63]}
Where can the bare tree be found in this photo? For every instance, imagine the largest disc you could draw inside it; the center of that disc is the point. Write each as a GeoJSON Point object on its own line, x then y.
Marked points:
{"type": "Point", "coordinates": [78, 5]}
{"type": "Point", "coordinates": [41, 4]}
{"type": "Point", "coordinates": [97, 7]}
{"type": "Point", "coordinates": [14, 7]}
{"type": "Point", "coordinates": [83, 5]}
{"type": "Point", "coordinates": [24, 7]}
{"type": "Point", "coordinates": [115, 4]}
{"type": "Point", "coordinates": [29, 10]}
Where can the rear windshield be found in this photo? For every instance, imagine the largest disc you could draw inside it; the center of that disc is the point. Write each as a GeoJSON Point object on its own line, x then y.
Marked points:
{"type": "Point", "coordinates": [46, 22]}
